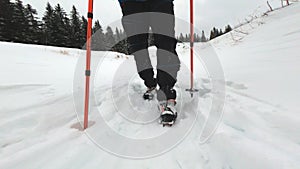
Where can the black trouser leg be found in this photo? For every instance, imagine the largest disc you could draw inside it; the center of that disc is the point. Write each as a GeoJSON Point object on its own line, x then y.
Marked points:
{"type": "Point", "coordinates": [168, 63]}
{"type": "Point", "coordinates": [162, 23]}
{"type": "Point", "coordinates": [136, 28]}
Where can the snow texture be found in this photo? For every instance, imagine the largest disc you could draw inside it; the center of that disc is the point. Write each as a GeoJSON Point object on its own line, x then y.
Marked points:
{"type": "Point", "coordinates": [259, 128]}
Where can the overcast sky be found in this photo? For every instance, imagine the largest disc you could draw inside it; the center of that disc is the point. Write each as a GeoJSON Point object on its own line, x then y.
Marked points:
{"type": "Point", "coordinates": [208, 13]}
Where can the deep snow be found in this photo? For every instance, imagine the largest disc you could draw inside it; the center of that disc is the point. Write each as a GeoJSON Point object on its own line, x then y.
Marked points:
{"type": "Point", "coordinates": [259, 129]}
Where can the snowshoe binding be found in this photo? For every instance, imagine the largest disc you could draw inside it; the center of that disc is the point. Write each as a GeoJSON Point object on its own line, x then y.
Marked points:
{"type": "Point", "coordinates": [149, 94]}
{"type": "Point", "coordinates": [168, 113]}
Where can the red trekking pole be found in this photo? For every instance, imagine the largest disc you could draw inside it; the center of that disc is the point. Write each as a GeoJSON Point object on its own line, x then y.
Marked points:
{"type": "Point", "coordinates": [88, 64]}
{"type": "Point", "coordinates": [191, 89]}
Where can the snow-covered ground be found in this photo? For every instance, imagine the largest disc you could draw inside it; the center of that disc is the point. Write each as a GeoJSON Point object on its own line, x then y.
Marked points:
{"type": "Point", "coordinates": [41, 89]}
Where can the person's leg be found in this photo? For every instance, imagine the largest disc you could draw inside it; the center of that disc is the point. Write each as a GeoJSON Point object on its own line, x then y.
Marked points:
{"type": "Point", "coordinates": [168, 63]}
{"type": "Point", "coordinates": [136, 28]}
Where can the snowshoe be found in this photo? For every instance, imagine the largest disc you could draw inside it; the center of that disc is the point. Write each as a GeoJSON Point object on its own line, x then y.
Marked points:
{"type": "Point", "coordinates": [168, 113]}
{"type": "Point", "coordinates": [149, 94]}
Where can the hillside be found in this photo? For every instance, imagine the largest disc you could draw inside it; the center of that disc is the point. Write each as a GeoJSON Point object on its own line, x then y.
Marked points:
{"type": "Point", "coordinates": [42, 97]}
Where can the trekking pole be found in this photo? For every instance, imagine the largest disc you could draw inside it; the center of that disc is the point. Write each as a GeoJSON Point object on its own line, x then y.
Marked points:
{"type": "Point", "coordinates": [88, 63]}
{"type": "Point", "coordinates": [192, 90]}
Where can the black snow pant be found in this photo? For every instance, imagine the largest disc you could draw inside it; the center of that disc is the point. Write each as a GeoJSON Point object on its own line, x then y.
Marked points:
{"type": "Point", "coordinates": [159, 16]}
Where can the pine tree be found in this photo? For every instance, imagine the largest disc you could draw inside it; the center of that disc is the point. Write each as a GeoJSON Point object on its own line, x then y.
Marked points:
{"type": "Point", "coordinates": [215, 33]}
{"type": "Point", "coordinates": [61, 27]}
{"type": "Point", "coordinates": [48, 26]}
{"type": "Point", "coordinates": [76, 31]}
{"type": "Point", "coordinates": [121, 42]}
{"type": "Point", "coordinates": [181, 37]}
{"type": "Point", "coordinates": [19, 22]}
{"type": "Point", "coordinates": [98, 39]}
{"type": "Point", "coordinates": [122, 34]}
{"type": "Point", "coordinates": [197, 38]}
{"type": "Point", "coordinates": [203, 38]}
{"type": "Point", "coordinates": [33, 29]}
{"type": "Point", "coordinates": [212, 35]}
{"type": "Point", "coordinates": [220, 32]}
{"type": "Point", "coordinates": [187, 37]}
{"type": "Point", "coordinates": [84, 24]}
{"type": "Point", "coordinates": [109, 38]}
{"type": "Point", "coordinates": [228, 29]}
{"type": "Point", "coordinates": [97, 27]}
{"type": "Point", "coordinates": [6, 13]}
{"type": "Point", "coordinates": [117, 37]}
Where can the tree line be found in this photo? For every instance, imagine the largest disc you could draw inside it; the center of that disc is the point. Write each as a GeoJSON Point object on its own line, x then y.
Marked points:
{"type": "Point", "coordinates": [214, 33]}
{"type": "Point", "coordinates": [19, 23]}
{"type": "Point", "coordinates": [197, 37]}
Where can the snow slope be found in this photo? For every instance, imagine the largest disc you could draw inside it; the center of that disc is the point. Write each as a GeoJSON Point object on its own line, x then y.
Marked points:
{"type": "Point", "coordinates": [42, 89]}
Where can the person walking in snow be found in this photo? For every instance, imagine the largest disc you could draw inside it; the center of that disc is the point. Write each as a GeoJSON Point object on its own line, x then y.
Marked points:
{"type": "Point", "coordinates": [161, 20]}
